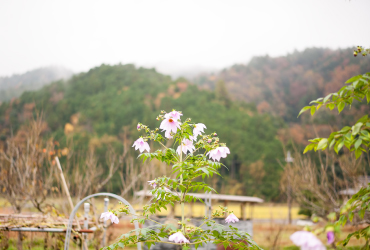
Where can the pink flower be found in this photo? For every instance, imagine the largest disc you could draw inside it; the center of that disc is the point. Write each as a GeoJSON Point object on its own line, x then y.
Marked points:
{"type": "Point", "coordinates": [169, 125]}
{"type": "Point", "coordinates": [307, 241]}
{"type": "Point", "coordinates": [174, 114]}
{"type": "Point", "coordinates": [330, 236]}
{"type": "Point", "coordinates": [231, 218]}
{"type": "Point", "coordinates": [152, 183]}
{"type": "Point", "coordinates": [111, 216]}
{"type": "Point", "coordinates": [141, 145]}
{"type": "Point", "coordinates": [187, 145]}
{"type": "Point", "coordinates": [178, 238]}
{"type": "Point", "coordinates": [219, 152]}
{"type": "Point", "coordinates": [198, 129]}
{"type": "Point", "coordinates": [168, 135]}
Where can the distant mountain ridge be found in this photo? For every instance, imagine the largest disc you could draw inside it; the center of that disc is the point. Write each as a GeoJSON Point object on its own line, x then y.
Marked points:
{"type": "Point", "coordinates": [16, 84]}
{"type": "Point", "coordinates": [283, 85]}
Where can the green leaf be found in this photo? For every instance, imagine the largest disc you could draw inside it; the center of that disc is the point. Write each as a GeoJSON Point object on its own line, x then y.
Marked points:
{"type": "Point", "coordinates": [356, 128]}
{"type": "Point", "coordinates": [358, 153]}
{"type": "Point", "coordinates": [358, 143]}
{"type": "Point", "coordinates": [322, 144]}
{"type": "Point", "coordinates": [309, 147]}
{"type": "Point", "coordinates": [313, 110]}
{"type": "Point", "coordinates": [368, 96]}
{"type": "Point", "coordinates": [341, 106]}
{"type": "Point", "coordinates": [303, 110]}
{"type": "Point", "coordinates": [331, 106]}
{"type": "Point", "coordinates": [363, 119]}
{"type": "Point", "coordinates": [327, 98]}
{"type": "Point", "coordinates": [345, 129]}
{"type": "Point", "coordinates": [332, 143]}
{"type": "Point", "coordinates": [352, 79]}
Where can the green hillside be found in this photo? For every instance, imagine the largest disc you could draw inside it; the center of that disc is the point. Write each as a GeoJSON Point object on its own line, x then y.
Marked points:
{"type": "Point", "coordinates": [111, 100]}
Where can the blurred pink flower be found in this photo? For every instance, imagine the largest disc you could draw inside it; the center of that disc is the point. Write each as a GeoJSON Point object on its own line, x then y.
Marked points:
{"type": "Point", "coordinates": [169, 125]}
{"type": "Point", "coordinates": [231, 218]}
{"type": "Point", "coordinates": [152, 183]}
{"type": "Point", "coordinates": [187, 145]}
{"type": "Point", "coordinates": [141, 145]}
{"type": "Point", "coordinates": [307, 241]}
{"type": "Point", "coordinates": [174, 114]}
{"type": "Point", "coordinates": [198, 130]}
{"type": "Point", "coordinates": [330, 236]}
{"type": "Point", "coordinates": [178, 238]}
{"type": "Point", "coordinates": [168, 135]}
{"type": "Point", "coordinates": [110, 216]}
{"type": "Point", "coordinates": [218, 153]}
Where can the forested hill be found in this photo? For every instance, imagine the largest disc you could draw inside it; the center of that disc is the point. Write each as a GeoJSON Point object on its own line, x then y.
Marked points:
{"type": "Point", "coordinates": [15, 85]}
{"type": "Point", "coordinates": [108, 101]}
{"type": "Point", "coordinates": [283, 85]}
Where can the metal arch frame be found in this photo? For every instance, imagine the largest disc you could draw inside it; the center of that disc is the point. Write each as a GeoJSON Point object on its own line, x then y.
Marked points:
{"type": "Point", "coordinates": [74, 211]}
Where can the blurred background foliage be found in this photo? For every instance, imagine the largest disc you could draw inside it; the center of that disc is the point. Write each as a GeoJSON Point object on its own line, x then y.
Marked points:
{"type": "Point", "coordinates": [253, 107]}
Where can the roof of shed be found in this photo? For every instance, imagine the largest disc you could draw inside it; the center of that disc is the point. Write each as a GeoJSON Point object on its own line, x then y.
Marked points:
{"type": "Point", "coordinates": [220, 197]}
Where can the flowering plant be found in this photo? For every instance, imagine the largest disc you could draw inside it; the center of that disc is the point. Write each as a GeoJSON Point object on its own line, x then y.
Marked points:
{"type": "Point", "coordinates": [193, 160]}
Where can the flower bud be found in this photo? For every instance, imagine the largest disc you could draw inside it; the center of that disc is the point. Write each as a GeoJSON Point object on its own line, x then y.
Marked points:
{"type": "Point", "coordinates": [209, 140]}
{"type": "Point", "coordinates": [214, 134]}
{"type": "Point", "coordinates": [354, 53]}
{"type": "Point", "coordinates": [138, 126]}
{"type": "Point", "coordinates": [157, 118]}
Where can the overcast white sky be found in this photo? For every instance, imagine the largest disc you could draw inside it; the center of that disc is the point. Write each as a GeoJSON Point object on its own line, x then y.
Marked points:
{"type": "Point", "coordinates": [173, 35]}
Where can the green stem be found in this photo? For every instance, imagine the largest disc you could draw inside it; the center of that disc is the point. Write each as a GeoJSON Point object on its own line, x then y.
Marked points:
{"type": "Point", "coordinates": [166, 242]}
{"type": "Point", "coordinates": [182, 202]}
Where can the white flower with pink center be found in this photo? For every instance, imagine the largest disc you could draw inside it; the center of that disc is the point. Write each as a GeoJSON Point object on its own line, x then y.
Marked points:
{"type": "Point", "coordinates": [307, 241]}
{"type": "Point", "coordinates": [110, 216]}
{"type": "Point", "coordinates": [218, 153]}
{"type": "Point", "coordinates": [186, 145]}
{"type": "Point", "coordinates": [169, 125]}
{"type": "Point", "coordinates": [231, 218]}
{"type": "Point", "coordinates": [174, 114]}
{"type": "Point", "coordinates": [141, 145]}
{"type": "Point", "coordinates": [178, 238]}
{"type": "Point", "coordinates": [198, 130]}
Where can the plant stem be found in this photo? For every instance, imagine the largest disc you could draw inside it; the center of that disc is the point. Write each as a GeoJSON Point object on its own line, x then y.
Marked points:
{"type": "Point", "coordinates": [182, 202]}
